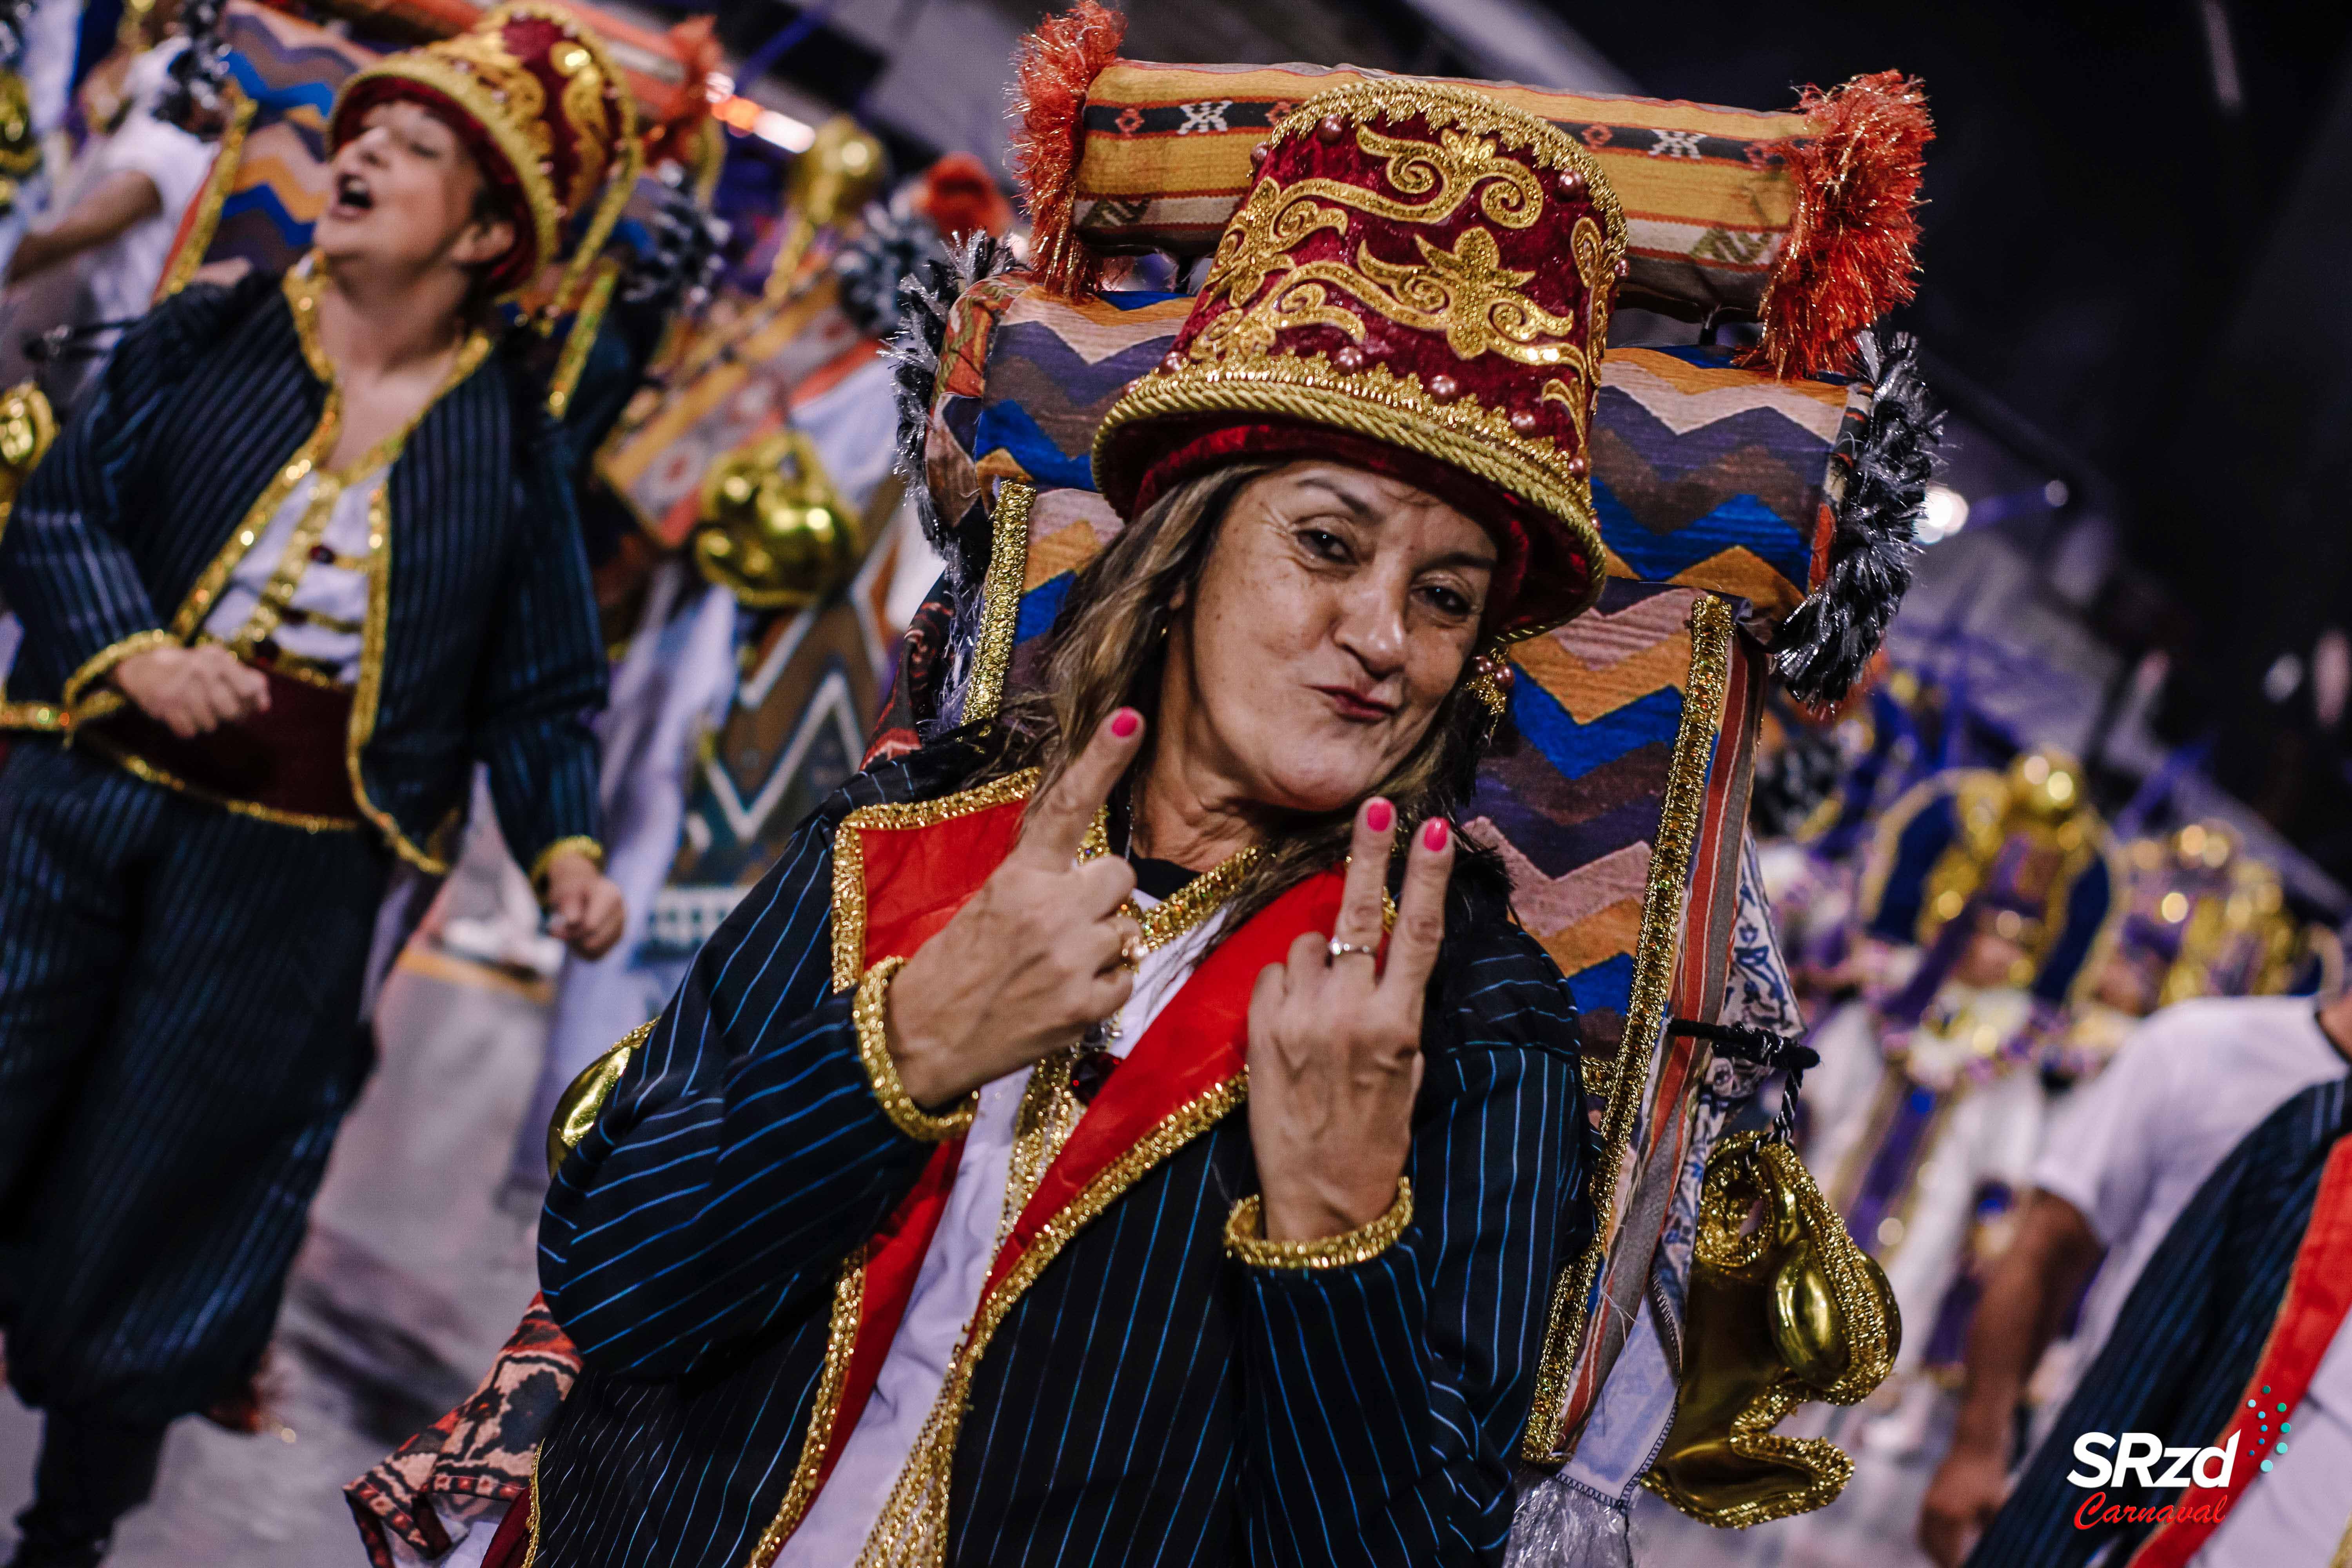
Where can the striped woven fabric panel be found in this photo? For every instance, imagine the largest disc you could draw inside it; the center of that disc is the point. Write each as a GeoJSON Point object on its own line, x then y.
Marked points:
{"type": "Point", "coordinates": [292, 71]}
{"type": "Point", "coordinates": [1707, 199]}
{"type": "Point", "coordinates": [1706, 477]}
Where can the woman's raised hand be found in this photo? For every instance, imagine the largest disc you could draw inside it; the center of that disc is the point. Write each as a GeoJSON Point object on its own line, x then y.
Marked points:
{"type": "Point", "coordinates": [1034, 957]}
{"type": "Point", "coordinates": [1335, 1043]}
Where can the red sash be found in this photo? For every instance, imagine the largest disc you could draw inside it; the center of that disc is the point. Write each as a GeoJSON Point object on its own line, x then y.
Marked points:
{"type": "Point", "coordinates": [2318, 1300]}
{"type": "Point", "coordinates": [288, 759]}
{"type": "Point", "coordinates": [1184, 1073]}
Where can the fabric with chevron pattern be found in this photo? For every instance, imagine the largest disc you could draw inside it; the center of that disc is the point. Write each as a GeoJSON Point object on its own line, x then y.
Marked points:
{"type": "Point", "coordinates": [1709, 482]}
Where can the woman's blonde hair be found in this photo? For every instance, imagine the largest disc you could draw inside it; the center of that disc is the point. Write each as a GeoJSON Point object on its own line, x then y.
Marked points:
{"type": "Point", "coordinates": [1108, 649]}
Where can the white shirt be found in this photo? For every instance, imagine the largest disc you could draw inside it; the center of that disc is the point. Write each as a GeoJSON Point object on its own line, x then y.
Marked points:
{"type": "Point", "coordinates": [947, 1291]}
{"type": "Point", "coordinates": [124, 271]}
{"type": "Point", "coordinates": [330, 597]}
{"type": "Point", "coordinates": [2130, 1148]}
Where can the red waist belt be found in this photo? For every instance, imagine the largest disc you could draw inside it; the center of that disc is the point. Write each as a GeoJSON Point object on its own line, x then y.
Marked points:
{"type": "Point", "coordinates": [288, 757]}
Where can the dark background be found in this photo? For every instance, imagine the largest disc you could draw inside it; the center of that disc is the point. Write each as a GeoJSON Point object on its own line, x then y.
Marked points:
{"type": "Point", "coordinates": [2138, 240]}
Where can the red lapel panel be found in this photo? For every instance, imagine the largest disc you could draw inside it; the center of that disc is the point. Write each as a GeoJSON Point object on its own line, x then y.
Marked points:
{"type": "Point", "coordinates": [1199, 1041]}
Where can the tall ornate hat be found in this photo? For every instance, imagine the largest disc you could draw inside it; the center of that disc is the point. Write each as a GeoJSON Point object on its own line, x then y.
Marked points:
{"type": "Point", "coordinates": [544, 109]}
{"type": "Point", "coordinates": [1418, 282]}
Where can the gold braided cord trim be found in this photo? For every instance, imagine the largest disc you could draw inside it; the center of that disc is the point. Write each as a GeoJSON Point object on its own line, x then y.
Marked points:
{"type": "Point", "coordinates": [584, 1098]}
{"type": "Point", "coordinates": [1445, 105]}
{"type": "Point", "coordinates": [226, 165]}
{"type": "Point", "coordinates": [45, 717]}
{"type": "Point", "coordinates": [530, 1553]}
{"type": "Point", "coordinates": [581, 339]}
{"type": "Point", "coordinates": [466, 90]}
{"type": "Point", "coordinates": [849, 858]}
{"type": "Point", "coordinates": [1245, 1240]}
{"type": "Point", "coordinates": [370, 687]}
{"type": "Point", "coordinates": [576, 844]}
{"type": "Point", "coordinates": [141, 767]}
{"type": "Point", "coordinates": [2343, 1558]}
{"type": "Point", "coordinates": [302, 288]}
{"type": "Point", "coordinates": [1386, 407]}
{"type": "Point", "coordinates": [1653, 960]}
{"type": "Point", "coordinates": [100, 664]}
{"type": "Point", "coordinates": [912, 1531]}
{"type": "Point", "coordinates": [999, 601]}
{"type": "Point", "coordinates": [191, 610]}
{"type": "Point", "coordinates": [866, 1013]}
{"type": "Point", "coordinates": [840, 1340]}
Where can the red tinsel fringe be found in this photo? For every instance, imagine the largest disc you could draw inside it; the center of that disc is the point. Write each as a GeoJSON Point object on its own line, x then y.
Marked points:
{"type": "Point", "coordinates": [1851, 250]}
{"type": "Point", "coordinates": [1053, 69]}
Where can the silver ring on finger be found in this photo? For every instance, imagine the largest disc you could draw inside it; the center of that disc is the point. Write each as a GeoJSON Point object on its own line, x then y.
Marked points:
{"type": "Point", "coordinates": [1341, 949]}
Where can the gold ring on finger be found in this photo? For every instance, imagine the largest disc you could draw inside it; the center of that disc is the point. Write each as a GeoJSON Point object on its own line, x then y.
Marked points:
{"type": "Point", "coordinates": [1341, 949]}
{"type": "Point", "coordinates": [1131, 950]}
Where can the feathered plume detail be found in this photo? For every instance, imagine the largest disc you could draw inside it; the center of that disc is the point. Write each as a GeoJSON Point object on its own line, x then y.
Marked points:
{"type": "Point", "coordinates": [1053, 69]}
{"type": "Point", "coordinates": [1851, 254]}
{"type": "Point", "coordinates": [926, 295]}
{"type": "Point", "coordinates": [1822, 648]}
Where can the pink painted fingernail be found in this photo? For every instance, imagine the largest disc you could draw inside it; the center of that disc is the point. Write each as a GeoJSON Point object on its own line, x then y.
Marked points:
{"type": "Point", "coordinates": [1125, 722]}
{"type": "Point", "coordinates": [1434, 836]}
{"type": "Point", "coordinates": [1379, 814]}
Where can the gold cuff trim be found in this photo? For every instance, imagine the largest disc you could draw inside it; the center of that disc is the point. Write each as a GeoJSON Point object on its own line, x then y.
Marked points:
{"type": "Point", "coordinates": [102, 664]}
{"type": "Point", "coordinates": [579, 843]}
{"type": "Point", "coordinates": [1245, 1240]}
{"type": "Point", "coordinates": [874, 1050]}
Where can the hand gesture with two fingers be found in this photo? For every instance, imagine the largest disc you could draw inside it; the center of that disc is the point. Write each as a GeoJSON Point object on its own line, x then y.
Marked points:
{"type": "Point", "coordinates": [1335, 1042]}
{"type": "Point", "coordinates": [1033, 958]}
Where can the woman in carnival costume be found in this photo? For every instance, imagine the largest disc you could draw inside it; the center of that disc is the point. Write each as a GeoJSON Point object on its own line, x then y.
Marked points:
{"type": "Point", "coordinates": [306, 554]}
{"type": "Point", "coordinates": [964, 1075]}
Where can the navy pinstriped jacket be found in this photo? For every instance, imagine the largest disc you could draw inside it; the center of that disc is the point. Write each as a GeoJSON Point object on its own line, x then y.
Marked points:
{"type": "Point", "coordinates": [1147, 1400]}
{"type": "Point", "coordinates": [491, 647]}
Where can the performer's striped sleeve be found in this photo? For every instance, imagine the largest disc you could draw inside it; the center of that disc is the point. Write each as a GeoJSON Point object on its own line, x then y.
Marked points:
{"type": "Point", "coordinates": [1384, 1399]}
{"type": "Point", "coordinates": [742, 1155]}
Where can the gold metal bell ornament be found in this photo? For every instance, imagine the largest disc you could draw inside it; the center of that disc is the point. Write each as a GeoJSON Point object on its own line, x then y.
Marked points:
{"type": "Point", "coordinates": [774, 531]}
{"type": "Point", "coordinates": [829, 184]}
{"type": "Point", "coordinates": [26, 428]}
{"type": "Point", "coordinates": [1782, 1308]}
{"type": "Point", "coordinates": [20, 146]}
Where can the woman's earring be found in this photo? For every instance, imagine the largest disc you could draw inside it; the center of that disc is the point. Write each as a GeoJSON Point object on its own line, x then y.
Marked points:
{"type": "Point", "coordinates": [1491, 683]}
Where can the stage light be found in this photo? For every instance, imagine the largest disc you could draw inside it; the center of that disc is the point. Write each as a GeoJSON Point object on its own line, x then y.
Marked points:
{"type": "Point", "coordinates": [1943, 515]}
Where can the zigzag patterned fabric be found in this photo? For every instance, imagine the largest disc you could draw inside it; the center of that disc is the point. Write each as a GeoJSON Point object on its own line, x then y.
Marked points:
{"type": "Point", "coordinates": [1621, 812]}
{"type": "Point", "coordinates": [291, 71]}
{"type": "Point", "coordinates": [1706, 477]}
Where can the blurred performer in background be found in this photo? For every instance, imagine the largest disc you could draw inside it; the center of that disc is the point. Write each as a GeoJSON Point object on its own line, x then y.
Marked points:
{"type": "Point", "coordinates": [741, 700]}
{"type": "Point", "coordinates": [309, 551]}
{"type": "Point", "coordinates": [2123, 1161]}
{"type": "Point", "coordinates": [128, 193]}
{"type": "Point", "coordinates": [965, 1069]}
{"type": "Point", "coordinates": [1929, 1105]}
{"type": "Point", "coordinates": [37, 41]}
